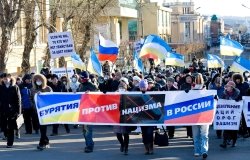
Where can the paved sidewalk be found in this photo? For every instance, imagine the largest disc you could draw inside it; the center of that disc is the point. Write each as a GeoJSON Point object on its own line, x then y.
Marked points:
{"type": "Point", "coordinates": [70, 147]}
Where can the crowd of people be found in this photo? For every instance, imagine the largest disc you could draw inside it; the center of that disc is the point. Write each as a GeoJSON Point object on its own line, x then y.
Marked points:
{"type": "Point", "coordinates": [17, 96]}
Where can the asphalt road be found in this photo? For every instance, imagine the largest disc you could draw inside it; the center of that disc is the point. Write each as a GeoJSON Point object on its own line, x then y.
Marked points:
{"type": "Point", "coordinates": [71, 147]}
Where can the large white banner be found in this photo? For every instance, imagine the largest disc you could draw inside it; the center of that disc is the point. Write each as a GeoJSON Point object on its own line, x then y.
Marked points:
{"type": "Point", "coordinates": [170, 108]}
{"type": "Point", "coordinates": [62, 72]}
{"type": "Point", "coordinates": [60, 44]}
{"type": "Point", "coordinates": [246, 110]}
{"type": "Point", "coordinates": [228, 115]}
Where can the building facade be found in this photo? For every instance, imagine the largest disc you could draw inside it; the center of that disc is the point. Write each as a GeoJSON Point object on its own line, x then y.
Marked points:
{"type": "Point", "coordinates": [155, 19]}
{"type": "Point", "coordinates": [18, 40]}
{"type": "Point", "coordinates": [187, 28]}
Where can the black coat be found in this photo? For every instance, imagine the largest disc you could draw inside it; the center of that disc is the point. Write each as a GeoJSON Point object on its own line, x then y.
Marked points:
{"type": "Point", "coordinates": [57, 88]}
{"type": "Point", "coordinates": [10, 100]}
{"type": "Point", "coordinates": [186, 86]}
{"type": "Point", "coordinates": [87, 86]}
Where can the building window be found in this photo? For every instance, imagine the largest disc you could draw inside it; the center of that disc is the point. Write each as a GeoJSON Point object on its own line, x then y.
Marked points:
{"type": "Point", "coordinates": [120, 26]}
{"type": "Point", "coordinates": [186, 10]}
{"type": "Point", "coordinates": [164, 18]}
{"type": "Point", "coordinates": [187, 30]}
{"type": "Point", "coordinates": [160, 18]}
{"type": "Point", "coordinates": [18, 40]}
{"type": "Point", "coordinates": [132, 28]}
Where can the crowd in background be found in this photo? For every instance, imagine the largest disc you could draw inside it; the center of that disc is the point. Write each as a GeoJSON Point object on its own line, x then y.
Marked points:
{"type": "Point", "coordinates": [17, 96]}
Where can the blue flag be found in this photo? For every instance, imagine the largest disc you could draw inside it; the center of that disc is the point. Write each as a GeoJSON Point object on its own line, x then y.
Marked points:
{"type": "Point", "coordinates": [229, 47]}
{"type": "Point", "coordinates": [240, 65]}
{"type": "Point", "coordinates": [138, 64]}
{"type": "Point", "coordinates": [213, 61]}
{"type": "Point", "coordinates": [94, 65]}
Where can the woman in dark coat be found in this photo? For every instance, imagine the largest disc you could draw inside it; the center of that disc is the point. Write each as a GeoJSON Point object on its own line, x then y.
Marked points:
{"type": "Point", "coordinates": [40, 85]}
{"type": "Point", "coordinates": [10, 107]}
{"type": "Point", "coordinates": [186, 86]}
{"type": "Point", "coordinates": [122, 132]}
{"type": "Point", "coordinates": [230, 93]}
{"type": "Point", "coordinates": [147, 131]}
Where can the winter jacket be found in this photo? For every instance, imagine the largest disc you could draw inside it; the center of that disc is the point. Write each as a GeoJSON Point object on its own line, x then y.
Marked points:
{"type": "Point", "coordinates": [26, 95]}
{"type": "Point", "coordinates": [43, 88]}
{"type": "Point", "coordinates": [87, 86]}
{"type": "Point", "coordinates": [220, 90]}
{"type": "Point", "coordinates": [10, 100]}
{"type": "Point", "coordinates": [186, 86]}
{"type": "Point", "coordinates": [235, 96]}
{"type": "Point", "coordinates": [243, 87]}
{"type": "Point", "coordinates": [165, 88]}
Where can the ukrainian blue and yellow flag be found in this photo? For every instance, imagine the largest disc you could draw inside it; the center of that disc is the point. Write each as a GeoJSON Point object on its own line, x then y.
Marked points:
{"type": "Point", "coordinates": [240, 65]}
{"type": "Point", "coordinates": [229, 47]}
{"type": "Point", "coordinates": [174, 59]}
{"type": "Point", "coordinates": [213, 61]}
{"type": "Point", "coordinates": [94, 65]}
{"type": "Point", "coordinates": [77, 62]}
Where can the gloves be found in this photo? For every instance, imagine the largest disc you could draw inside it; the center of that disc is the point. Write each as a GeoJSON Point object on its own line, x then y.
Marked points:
{"type": "Point", "coordinates": [104, 92]}
{"type": "Point", "coordinates": [186, 90]}
{"type": "Point", "coordinates": [143, 92]}
{"type": "Point", "coordinates": [216, 97]}
{"type": "Point", "coordinates": [237, 100]}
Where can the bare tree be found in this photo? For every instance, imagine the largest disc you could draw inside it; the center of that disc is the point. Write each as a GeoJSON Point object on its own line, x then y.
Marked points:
{"type": "Point", "coordinates": [51, 26]}
{"type": "Point", "coordinates": [84, 24]}
{"type": "Point", "coordinates": [9, 15]}
{"type": "Point", "coordinates": [68, 10]}
{"type": "Point", "coordinates": [30, 34]}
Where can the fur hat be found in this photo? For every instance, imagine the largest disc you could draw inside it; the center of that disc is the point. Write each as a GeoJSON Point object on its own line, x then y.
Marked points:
{"type": "Point", "coordinates": [230, 84]}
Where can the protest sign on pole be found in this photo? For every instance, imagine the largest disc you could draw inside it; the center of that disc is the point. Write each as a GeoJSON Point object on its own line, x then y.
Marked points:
{"type": "Point", "coordinates": [246, 110]}
{"type": "Point", "coordinates": [60, 44]}
{"type": "Point", "coordinates": [63, 72]}
{"type": "Point", "coordinates": [127, 108]}
{"type": "Point", "coordinates": [228, 115]}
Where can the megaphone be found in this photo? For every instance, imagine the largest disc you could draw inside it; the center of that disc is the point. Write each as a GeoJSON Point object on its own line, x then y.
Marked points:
{"type": "Point", "coordinates": [100, 80]}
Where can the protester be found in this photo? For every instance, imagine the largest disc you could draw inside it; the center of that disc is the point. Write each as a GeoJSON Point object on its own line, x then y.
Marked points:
{"type": "Point", "coordinates": [59, 86]}
{"type": "Point", "coordinates": [200, 132]}
{"type": "Point", "coordinates": [74, 84]}
{"type": "Point", "coordinates": [147, 131]}
{"type": "Point", "coordinates": [122, 132]}
{"type": "Point", "coordinates": [10, 107]}
{"type": "Point", "coordinates": [170, 87]}
{"type": "Point", "coordinates": [136, 81]}
{"type": "Point", "coordinates": [116, 81]}
{"type": "Point", "coordinates": [230, 93]}
{"type": "Point", "coordinates": [186, 86]}
{"type": "Point", "coordinates": [40, 85]}
{"type": "Point", "coordinates": [219, 87]}
{"type": "Point", "coordinates": [106, 68]}
{"type": "Point", "coordinates": [87, 86]}
{"type": "Point", "coordinates": [243, 86]}
{"type": "Point", "coordinates": [29, 112]}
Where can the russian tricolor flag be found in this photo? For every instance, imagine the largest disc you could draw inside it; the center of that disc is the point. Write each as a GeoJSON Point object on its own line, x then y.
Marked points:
{"type": "Point", "coordinates": [108, 50]}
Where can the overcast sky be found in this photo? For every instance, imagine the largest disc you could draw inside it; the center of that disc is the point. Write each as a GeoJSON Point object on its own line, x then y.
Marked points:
{"type": "Point", "coordinates": [220, 7]}
{"type": "Point", "coordinates": [223, 7]}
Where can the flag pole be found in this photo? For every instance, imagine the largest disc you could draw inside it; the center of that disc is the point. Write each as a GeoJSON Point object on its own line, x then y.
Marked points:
{"type": "Point", "coordinates": [67, 76]}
